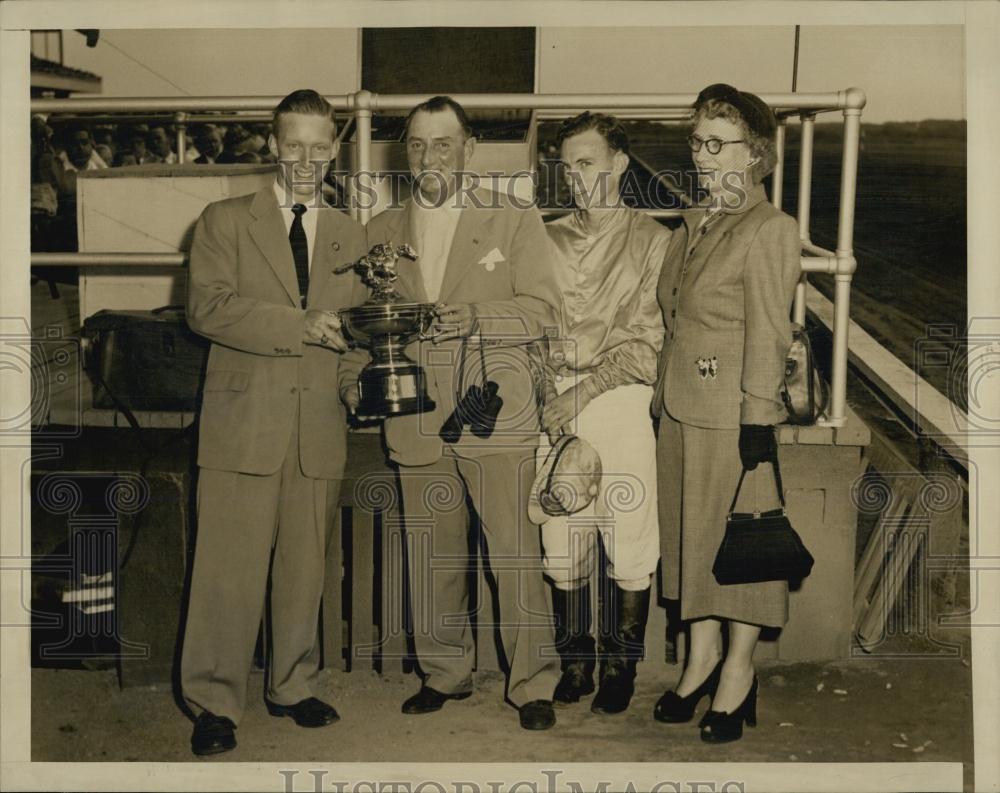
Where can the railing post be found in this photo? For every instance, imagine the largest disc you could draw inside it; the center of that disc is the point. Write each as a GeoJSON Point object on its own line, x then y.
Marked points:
{"type": "Point", "coordinates": [805, 198]}
{"type": "Point", "coordinates": [779, 168]}
{"type": "Point", "coordinates": [179, 120]}
{"type": "Point", "coordinates": [846, 263]}
{"type": "Point", "coordinates": [360, 211]}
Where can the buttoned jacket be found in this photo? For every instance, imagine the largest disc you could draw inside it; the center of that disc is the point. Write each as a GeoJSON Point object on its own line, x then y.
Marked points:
{"type": "Point", "coordinates": [244, 296]}
{"type": "Point", "coordinates": [725, 290]}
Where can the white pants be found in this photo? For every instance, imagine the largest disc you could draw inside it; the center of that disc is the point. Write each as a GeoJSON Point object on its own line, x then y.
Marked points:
{"type": "Point", "coordinates": [624, 512]}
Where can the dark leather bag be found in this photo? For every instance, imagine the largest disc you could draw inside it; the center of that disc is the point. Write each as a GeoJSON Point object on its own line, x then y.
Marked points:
{"type": "Point", "coordinates": [144, 360]}
{"type": "Point", "coordinates": [761, 546]}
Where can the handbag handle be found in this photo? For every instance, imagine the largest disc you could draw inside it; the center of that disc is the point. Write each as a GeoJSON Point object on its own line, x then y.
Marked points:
{"type": "Point", "coordinates": [777, 482]}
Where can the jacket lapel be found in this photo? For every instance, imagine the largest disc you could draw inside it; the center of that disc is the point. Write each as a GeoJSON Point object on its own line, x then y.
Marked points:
{"type": "Point", "coordinates": [703, 241]}
{"type": "Point", "coordinates": [324, 258]}
{"type": "Point", "coordinates": [269, 234]}
{"type": "Point", "coordinates": [718, 225]}
{"type": "Point", "coordinates": [466, 247]}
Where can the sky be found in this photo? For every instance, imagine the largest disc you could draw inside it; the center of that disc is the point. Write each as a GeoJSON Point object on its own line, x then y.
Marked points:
{"type": "Point", "coordinates": [909, 72]}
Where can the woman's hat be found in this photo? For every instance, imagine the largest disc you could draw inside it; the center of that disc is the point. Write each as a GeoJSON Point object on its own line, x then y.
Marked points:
{"type": "Point", "coordinates": [758, 116]}
{"type": "Point", "coordinates": [567, 481]}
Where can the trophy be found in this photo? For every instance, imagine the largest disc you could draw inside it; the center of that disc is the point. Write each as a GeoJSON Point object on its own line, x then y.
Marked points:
{"type": "Point", "coordinates": [391, 384]}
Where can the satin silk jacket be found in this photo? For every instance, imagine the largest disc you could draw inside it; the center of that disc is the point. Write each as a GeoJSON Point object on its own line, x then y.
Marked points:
{"type": "Point", "coordinates": [243, 295]}
{"type": "Point", "coordinates": [499, 260]}
{"type": "Point", "coordinates": [609, 320]}
{"type": "Point", "coordinates": [725, 291]}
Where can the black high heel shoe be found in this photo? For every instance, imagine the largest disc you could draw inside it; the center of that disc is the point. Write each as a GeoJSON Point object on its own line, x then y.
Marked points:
{"type": "Point", "coordinates": [719, 727]}
{"type": "Point", "coordinates": [675, 709]}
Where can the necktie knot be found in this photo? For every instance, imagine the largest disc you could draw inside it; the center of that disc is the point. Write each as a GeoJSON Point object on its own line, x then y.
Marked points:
{"type": "Point", "coordinates": [298, 210]}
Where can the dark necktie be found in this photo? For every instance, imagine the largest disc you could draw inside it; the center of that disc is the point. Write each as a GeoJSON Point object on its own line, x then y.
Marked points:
{"type": "Point", "coordinates": [300, 250]}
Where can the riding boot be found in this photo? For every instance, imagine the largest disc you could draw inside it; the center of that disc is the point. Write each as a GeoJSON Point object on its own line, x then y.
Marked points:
{"type": "Point", "coordinates": [621, 647]}
{"type": "Point", "coordinates": [574, 643]}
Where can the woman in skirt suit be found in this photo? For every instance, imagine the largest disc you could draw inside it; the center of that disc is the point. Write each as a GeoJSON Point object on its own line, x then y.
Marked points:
{"type": "Point", "coordinates": [725, 290]}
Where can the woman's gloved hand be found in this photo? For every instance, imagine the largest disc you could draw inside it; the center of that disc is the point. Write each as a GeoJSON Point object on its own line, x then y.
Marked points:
{"type": "Point", "coordinates": [757, 445]}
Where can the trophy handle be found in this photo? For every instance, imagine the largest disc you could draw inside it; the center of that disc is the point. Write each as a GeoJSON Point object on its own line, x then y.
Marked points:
{"type": "Point", "coordinates": [425, 325]}
{"type": "Point", "coordinates": [345, 327]}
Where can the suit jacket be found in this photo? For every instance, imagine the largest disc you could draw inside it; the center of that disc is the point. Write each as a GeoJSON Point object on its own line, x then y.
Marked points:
{"type": "Point", "coordinates": [243, 295]}
{"type": "Point", "coordinates": [725, 292]}
{"type": "Point", "coordinates": [501, 261]}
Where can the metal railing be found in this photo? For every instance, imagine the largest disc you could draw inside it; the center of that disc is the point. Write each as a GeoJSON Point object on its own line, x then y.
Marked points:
{"type": "Point", "coordinates": [361, 105]}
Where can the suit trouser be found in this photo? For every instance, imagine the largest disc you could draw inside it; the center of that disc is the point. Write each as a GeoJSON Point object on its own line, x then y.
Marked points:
{"type": "Point", "coordinates": [436, 522]}
{"type": "Point", "coordinates": [242, 518]}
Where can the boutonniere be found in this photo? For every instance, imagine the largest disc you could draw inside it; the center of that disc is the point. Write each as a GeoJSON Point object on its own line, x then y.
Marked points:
{"type": "Point", "coordinates": [708, 367]}
{"type": "Point", "coordinates": [490, 260]}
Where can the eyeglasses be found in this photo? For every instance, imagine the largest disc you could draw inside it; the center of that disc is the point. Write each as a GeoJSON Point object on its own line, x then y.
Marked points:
{"type": "Point", "coordinates": [714, 145]}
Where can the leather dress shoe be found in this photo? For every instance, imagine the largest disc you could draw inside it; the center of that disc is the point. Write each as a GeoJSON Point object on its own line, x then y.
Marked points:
{"type": "Point", "coordinates": [537, 715]}
{"type": "Point", "coordinates": [309, 712]}
{"type": "Point", "coordinates": [212, 734]}
{"type": "Point", "coordinates": [428, 700]}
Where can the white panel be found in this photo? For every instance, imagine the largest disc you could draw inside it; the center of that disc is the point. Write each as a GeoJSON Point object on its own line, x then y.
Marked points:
{"type": "Point", "coordinates": [148, 209]}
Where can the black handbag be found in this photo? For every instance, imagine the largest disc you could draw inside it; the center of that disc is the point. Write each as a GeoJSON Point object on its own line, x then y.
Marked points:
{"type": "Point", "coordinates": [761, 546]}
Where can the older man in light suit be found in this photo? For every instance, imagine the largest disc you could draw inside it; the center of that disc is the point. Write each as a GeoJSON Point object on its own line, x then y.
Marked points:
{"type": "Point", "coordinates": [273, 433]}
{"type": "Point", "coordinates": [487, 265]}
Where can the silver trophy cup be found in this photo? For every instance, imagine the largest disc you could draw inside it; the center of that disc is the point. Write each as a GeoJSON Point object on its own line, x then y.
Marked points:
{"type": "Point", "coordinates": [391, 384]}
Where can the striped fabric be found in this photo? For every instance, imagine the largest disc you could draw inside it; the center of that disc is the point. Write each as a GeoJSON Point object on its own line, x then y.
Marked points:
{"type": "Point", "coordinates": [96, 594]}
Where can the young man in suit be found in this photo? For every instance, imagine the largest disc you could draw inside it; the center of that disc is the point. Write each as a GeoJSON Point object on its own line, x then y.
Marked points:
{"type": "Point", "coordinates": [486, 264]}
{"type": "Point", "coordinates": [272, 438]}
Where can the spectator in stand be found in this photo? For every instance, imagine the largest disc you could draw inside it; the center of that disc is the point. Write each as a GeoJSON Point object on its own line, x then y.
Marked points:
{"type": "Point", "coordinates": [47, 175]}
{"type": "Point", "coordinates": [104, 143]}
{"type": "Point", "coordinates": [208, 139]}
{"type": "Point", "coordinates": [134, 151]}
{"type": "Point", "coordinates": [105, 152]}
{"type": "Point", "coordinates": [77, 155]}
{"type": "Point", "coordinates": [232, 144]}
{"type": "Point", "coordinates": [261, 131]}
{"type": "Point", "coordinates": [254, 143]}
{"type": "Point", "coordinates": [158, 142]}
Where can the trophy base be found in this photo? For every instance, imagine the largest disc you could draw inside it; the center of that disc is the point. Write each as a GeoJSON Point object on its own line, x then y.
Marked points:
{"type": "Point", "coordinates": [393, 391]}
{"type": "Point", "coordinates": [399, 407]}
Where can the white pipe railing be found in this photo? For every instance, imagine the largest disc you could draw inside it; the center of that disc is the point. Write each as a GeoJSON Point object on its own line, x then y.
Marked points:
{"type": "Point", "coordinates": [363, 104]}
{"type": "Point", "coordinates": [846, 263]}
{"type": "Point", "coordinates": [805, 205]}
{"type": "Point", "coordinates": [778, 177]}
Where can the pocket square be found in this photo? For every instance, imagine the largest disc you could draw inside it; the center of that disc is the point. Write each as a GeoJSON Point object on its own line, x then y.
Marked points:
{"type": "Point", "coordinates": [493, 257]}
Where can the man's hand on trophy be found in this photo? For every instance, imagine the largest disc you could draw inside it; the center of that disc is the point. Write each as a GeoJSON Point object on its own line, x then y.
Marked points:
{"type": "Point", "coordinates": [323, 328]}
{"type": "Point", "coordinates": [454, 321]}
